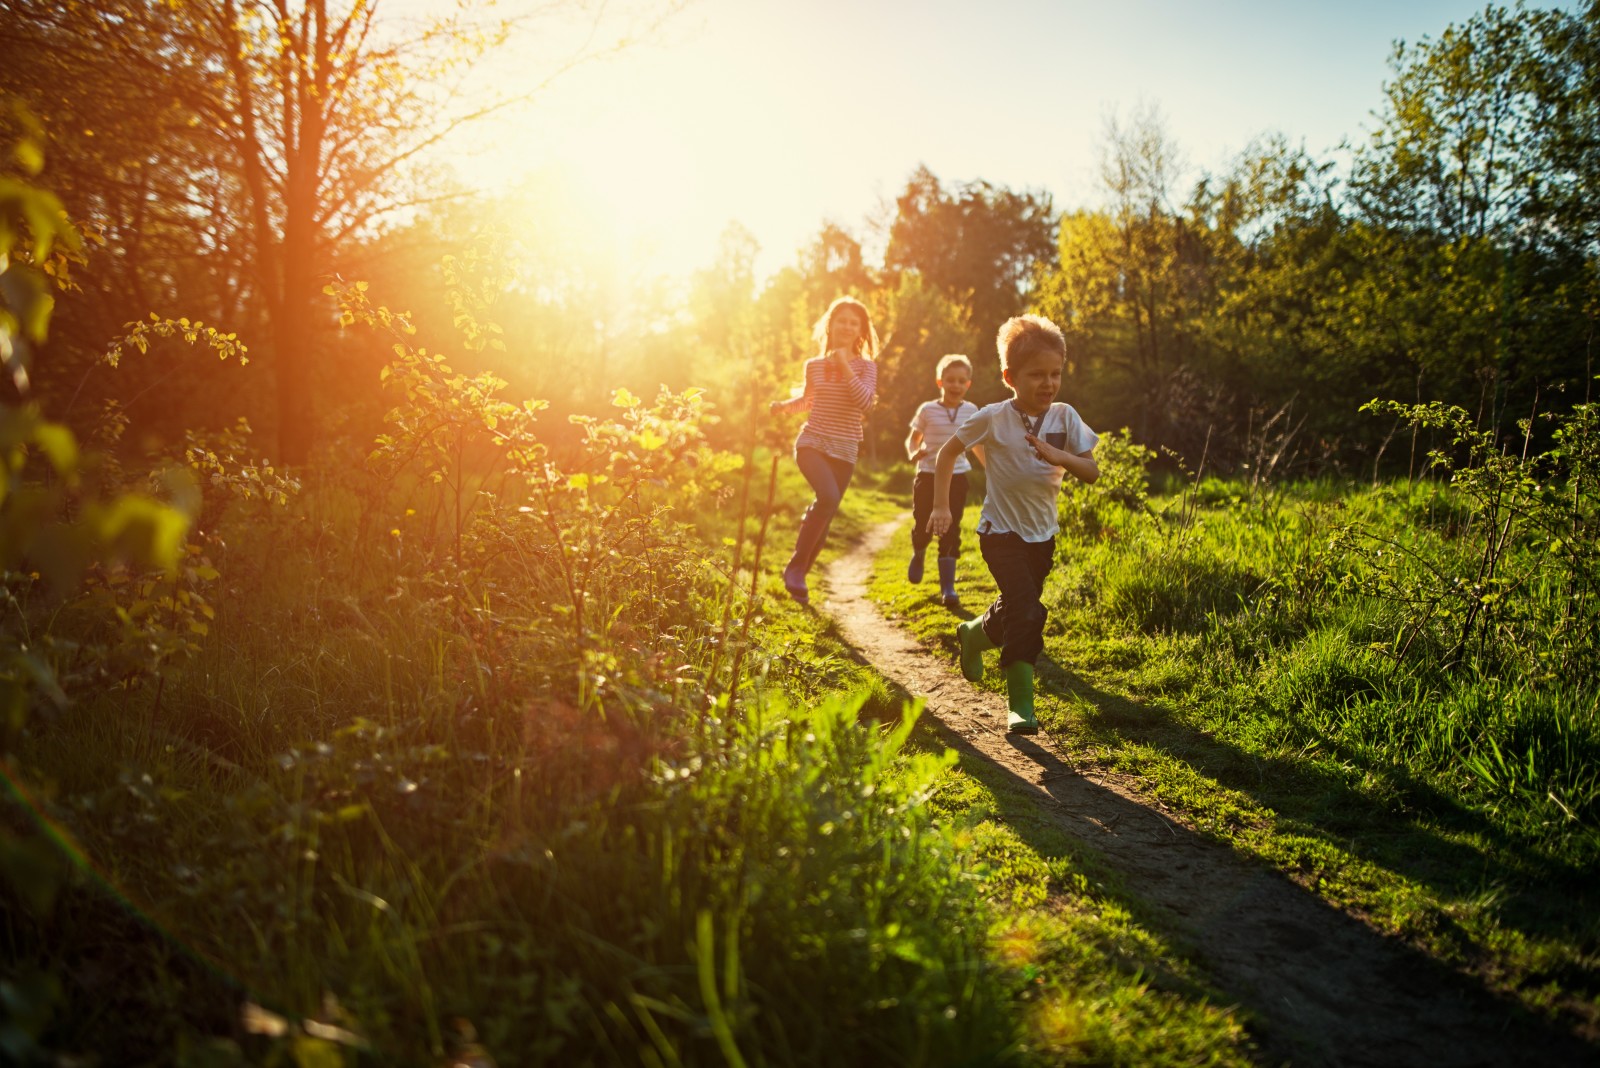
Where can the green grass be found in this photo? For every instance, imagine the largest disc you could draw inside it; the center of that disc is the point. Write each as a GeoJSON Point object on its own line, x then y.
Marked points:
{"type": "Point", "coordinates": [392, 812]}
{"type": "Point", "coordinates": [1090, 979]}
{"type": "Point", "coordinates": [1231, 666]}
{"type": "Point", "coordinates": [1100, 983]}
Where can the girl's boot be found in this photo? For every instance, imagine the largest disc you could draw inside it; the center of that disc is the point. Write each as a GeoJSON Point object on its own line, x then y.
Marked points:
{"type": "Point", "coordinates": [914, 572]}
{"type": "Point", "coordinates": [947, 581]}
{"type": "Point", "coordinates": [1019, 699]}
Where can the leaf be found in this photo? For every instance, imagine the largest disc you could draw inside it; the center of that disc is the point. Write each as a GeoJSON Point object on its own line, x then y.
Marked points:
{"type": "Point", "coordinates": [59, 445]}
{"type": "Point", "coordinates": [28, 156]}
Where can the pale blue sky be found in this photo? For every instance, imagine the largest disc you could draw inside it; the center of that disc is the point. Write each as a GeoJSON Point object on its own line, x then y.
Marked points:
{"type": "Point", "coordinates": [783, 115]}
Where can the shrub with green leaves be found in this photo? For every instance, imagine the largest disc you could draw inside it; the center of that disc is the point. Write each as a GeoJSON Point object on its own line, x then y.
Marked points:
{"type": "Point", "coordinates": [1381, 619]}
{"type": "Point", "coordinates": [1123, 486]}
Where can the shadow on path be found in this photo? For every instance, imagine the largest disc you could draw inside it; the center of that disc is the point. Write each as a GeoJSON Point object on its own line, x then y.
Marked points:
{"type": "Point", "coordinates": [1326, 988]}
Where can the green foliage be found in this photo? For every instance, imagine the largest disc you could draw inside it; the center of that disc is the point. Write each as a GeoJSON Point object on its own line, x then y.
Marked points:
{"type": "Point", "coordinates": [978, 243]}
{"type": "Point", "coordinates": [56, 521]}
{"type": "Point", "coordinates": [1350, 620]}
{"type": "Point", "coordinates": [1227, 645]}
{"type": "Point", "coordinates": [1123, 486]}
{"type": "Point", "coordinates": [221, 461]}
{"type": "Point", "coordinates": [138, 335]}
{"type": "Point", "coordinates": [594, 519]}
{"type": "Point", "coordinates": [121, 576]}
{"type": "Point", "coordinates": [1455, 153]}
{"type": "Point", "coordinates": [442, 416]}
{"type": "Point", "coordinates": [1515, 588]}
{"type": "Point", "coordinates": [53, 518]}
{"type": "Point", "coordinates": [37, 244]}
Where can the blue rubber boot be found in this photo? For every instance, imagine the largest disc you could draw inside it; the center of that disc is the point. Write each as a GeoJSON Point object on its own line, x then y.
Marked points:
{"type": "Point", "coordinates": [947, 582]}
{"type": "Point", "coordinates": [971, 643]}
{"type": "Point", "coordinates": [796, 585]}
{"type": "Point", "coordinates": [914, 571]}
{"type": "Point", "coordinates": [1019, 699]}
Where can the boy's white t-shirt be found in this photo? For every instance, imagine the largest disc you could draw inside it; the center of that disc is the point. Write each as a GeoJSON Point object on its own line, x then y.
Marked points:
{"type": "Point", "coordinates": [1022, 488]}
{"type": "Point", "coordinates": [937, 423]}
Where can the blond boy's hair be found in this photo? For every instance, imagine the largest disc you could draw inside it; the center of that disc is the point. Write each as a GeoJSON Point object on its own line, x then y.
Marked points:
{"type": "Point", "coordinates": [951, 360]}
{"type": "Point", "coordinates": [1023, 336]}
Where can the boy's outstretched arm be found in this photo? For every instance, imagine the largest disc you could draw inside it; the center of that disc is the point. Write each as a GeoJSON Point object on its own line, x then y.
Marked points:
{"type": "Point", "coordinates": [1082, 467]}
{"type": "Point", "coordinates": [944, 468]}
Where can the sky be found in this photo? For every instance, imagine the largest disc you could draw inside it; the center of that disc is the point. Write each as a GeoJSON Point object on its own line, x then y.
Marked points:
{"type": "Point", "coordinates": [784, 115]}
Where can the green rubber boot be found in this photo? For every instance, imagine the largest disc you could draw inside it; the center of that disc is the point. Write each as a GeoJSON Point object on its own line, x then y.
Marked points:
{"type": "Point", "coordinates": [1019, 698]}
{"type": "Point", "coordinates": [971, 642]}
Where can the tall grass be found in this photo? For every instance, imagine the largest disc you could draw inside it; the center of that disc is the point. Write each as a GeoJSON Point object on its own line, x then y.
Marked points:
{"type": "Point", "coordinates": [1425, 627]}
{"type": "Point", "coordinates": [458, 748]}
{"type": "Point", "coordinates": [390, 808]}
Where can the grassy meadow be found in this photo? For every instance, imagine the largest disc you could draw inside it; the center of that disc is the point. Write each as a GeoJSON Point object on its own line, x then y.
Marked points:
{"type": "Point", "coordinates": [1386, 691]}
{"type": "Point", "coordinates": [385, 770]}
{"type": "Point", "coordinates": [502, 744]}
{"type": "Point", "coordinates": [353, 713]}
{"type": "Point", "coordinates": [576, 783]}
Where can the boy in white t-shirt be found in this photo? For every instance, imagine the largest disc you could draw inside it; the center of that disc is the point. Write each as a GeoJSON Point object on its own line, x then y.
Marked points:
{"type": "Point", "coordinates": [1029, 443]}
{"type": "Point", "coordinates": [931, 427]}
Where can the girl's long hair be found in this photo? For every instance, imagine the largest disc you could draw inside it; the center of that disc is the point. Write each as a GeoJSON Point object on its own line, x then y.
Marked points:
{"type": "Point", "coordinates": [866, 344]}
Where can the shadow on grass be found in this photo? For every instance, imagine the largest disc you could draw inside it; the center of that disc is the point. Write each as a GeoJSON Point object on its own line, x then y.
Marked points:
{"type": "Point", "coordinates": [1536, 894]}
{"type": "Point", "coordinates": [1417, 831]}
{"type": "Point", "coordinates": [1326, 988]}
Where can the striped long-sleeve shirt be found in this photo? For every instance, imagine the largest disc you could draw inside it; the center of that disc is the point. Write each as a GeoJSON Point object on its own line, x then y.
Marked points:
{"type": "Point", "coordinates": [837, 404]}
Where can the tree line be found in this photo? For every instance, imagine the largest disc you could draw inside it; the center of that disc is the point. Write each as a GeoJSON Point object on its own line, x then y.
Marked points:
{"type": "Point", "coordinates": [226, 166]}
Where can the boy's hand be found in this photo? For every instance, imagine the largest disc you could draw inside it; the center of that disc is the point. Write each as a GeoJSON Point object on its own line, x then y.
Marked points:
{"type": "Point", "coordinates": [938, 521]}
{"type": "Point", "coordinates": [1048, 452]}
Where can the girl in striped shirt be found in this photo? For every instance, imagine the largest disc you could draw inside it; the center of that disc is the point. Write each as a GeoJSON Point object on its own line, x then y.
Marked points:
{"type": "Point", "coordinates": [839, 388]}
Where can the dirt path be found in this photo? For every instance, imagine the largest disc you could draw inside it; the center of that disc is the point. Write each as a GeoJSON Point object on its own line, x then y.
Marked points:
{"type": "Point", "coordinates": [1325, 988]}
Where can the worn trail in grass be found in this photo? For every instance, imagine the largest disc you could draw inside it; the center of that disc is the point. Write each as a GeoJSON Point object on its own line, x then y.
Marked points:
{"type": "Point", "coordinates": [1324, 987]}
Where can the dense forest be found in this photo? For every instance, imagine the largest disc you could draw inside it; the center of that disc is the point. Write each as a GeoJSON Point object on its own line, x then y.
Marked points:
{"type": "Point", "coordinates": [391, 666]}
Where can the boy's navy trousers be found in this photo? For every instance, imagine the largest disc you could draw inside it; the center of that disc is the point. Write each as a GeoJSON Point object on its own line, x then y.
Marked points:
{"type": "Point", "coordinates": [1015, 621]}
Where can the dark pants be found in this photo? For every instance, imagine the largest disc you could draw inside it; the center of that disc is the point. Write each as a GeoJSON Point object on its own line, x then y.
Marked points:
{"type": "Point", "coordinates": [829, 478]}
{"type": "Point", "coordinates": [922, 504]}
{"type": "Point", "coordinates": [1015, 622]}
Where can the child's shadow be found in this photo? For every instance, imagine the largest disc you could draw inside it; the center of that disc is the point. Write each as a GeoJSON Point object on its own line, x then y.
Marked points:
{"type": "Point", "coordinates": [1449, 848]}
{"type": "Point", "coordinates": [1296, 929]}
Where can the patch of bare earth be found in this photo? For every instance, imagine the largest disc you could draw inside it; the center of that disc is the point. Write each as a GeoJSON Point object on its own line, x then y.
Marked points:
{"type": "Point", "coordinates": [1323, 987]}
